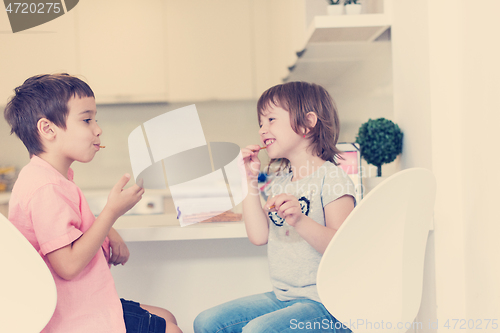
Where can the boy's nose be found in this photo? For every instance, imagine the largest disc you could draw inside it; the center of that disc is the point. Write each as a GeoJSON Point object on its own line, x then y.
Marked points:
{"type": "Point", "coordinates": [98, 130]}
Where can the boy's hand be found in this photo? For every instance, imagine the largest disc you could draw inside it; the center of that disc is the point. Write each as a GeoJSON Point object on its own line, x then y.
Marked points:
{"type": "Point", "coordinates": [120, 200]}
{"type": "Point", "coordinates": [287, 206]}
{"type": "Point", "coordinates": [119, 250]}
{"type": "Point", "coordinates": [251, 160]}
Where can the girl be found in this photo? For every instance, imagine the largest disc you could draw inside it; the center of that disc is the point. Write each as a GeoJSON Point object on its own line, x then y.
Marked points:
{"type": "Point", "coordinates": [307, 202]}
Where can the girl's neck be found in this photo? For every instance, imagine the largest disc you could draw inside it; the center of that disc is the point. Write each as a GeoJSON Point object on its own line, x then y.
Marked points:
{"type": "Point", "coordinates": [303, 166]}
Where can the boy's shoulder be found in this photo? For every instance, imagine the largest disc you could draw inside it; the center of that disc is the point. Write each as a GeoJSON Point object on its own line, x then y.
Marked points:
{"type": "Point", "coordinates": [37, 174]}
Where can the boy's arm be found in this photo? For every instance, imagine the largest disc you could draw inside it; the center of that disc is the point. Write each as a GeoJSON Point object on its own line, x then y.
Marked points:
{"type": "Point", "coordinates": [254, 216]}
{"type": "Point", "coordinates": [119, 250]}
{"type": "Point", "coordinates": [70, 260]}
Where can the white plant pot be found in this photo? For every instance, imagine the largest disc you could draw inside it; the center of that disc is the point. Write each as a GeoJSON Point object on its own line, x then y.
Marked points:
{"type": "Point", "coordinates": [335, 9]}
{"type": "Point", "coordinates": [353, 9]}
{"type": "Point", "coordinates": [369, 183]}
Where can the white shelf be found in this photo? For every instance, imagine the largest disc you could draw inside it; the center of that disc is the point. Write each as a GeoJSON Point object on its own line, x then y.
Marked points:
{"type": "Point", "coordinates": [326, 64]}
{"type": "Point", "coordinates": [165, 227]}
{"type": "Point", "coordinates": [347, 28]}
{"type": "Point", "coordinates": [335, 44]}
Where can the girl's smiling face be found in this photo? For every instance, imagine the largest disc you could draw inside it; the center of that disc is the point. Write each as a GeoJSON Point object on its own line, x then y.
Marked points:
{"type": "Point", "coordinates": [277, 134]}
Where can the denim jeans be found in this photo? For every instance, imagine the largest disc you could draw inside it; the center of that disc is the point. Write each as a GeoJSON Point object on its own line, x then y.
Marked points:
{"type": "Point", "coordinates": [138, 320]}
{"type": "Point", "coordinates": [265, 313]}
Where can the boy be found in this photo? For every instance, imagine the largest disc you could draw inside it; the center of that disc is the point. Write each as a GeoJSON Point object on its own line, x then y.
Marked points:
{"type": "Point", "coordinates": [54, 116]}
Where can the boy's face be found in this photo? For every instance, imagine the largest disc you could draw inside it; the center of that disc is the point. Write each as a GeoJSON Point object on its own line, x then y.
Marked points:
{"type": "Point", "coordinates": [81, 138]}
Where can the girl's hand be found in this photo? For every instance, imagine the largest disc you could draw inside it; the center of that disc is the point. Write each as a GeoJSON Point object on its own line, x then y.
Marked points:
{"type": "Point", "coordinates": [119, 250]}
{"type": "Point", "coordinates": [287, 206]}
{"type": "Point", "coordinates": [120, 200]}
{"type": "Point", "coordinates": [251, 161]}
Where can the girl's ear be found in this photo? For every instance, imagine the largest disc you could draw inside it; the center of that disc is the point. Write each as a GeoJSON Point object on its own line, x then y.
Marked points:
{"type": "Point", "coordinates": [46, 129]}
{"type": "Point", "coordinates": [311, 119]}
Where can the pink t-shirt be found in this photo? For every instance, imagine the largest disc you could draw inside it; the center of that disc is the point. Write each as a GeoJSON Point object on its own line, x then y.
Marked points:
{"type": "Point", "coordinates": [51, 212]}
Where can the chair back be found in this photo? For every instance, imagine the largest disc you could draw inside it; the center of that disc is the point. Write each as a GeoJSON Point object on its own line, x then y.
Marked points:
{"type": "Point", "coordinates": [371, 274]}
{"type": "Point", "coordinates": [27, 289]}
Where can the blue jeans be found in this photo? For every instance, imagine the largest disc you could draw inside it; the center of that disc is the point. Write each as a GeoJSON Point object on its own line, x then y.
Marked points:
{"type": "Point", "coordinates": [265, 313]}
{"type": "Point", "coordinates": [138, 320]}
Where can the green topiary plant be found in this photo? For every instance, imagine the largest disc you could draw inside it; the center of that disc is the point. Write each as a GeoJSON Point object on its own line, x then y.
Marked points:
{"type": "Point", "coordinates": [381, 142]}
{"type": "Point", "coordinates": [333, 2]}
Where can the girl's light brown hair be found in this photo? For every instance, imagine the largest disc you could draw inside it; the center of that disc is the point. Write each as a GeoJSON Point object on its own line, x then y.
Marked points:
{"type": "Point", "coordinates": [300, 98]}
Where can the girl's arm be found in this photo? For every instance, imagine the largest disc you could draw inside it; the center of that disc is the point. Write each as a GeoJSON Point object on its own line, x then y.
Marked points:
{"type": "Point", "coordinates": [254, 216]}
{"type": "Point", "coordinates": [335, 213]}
{"type": "Point", "coordinates": [316, 235]}
{"type": "Point", "coordinates": [70, 260]}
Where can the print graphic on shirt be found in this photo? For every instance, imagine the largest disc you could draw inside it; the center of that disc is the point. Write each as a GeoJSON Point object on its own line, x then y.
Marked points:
{"type": "Point", "coordinates": [304, 205]}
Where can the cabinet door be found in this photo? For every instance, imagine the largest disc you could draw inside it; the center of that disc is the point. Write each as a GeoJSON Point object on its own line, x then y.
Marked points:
{"type": "Point", "coordinates": [279, 30]}
{"type": "Point", "coordinates": [48, 48]}
{"type": "Point", "coordinates": [209, 50]}
{"type": "Point", "coordinates": [121, 49]}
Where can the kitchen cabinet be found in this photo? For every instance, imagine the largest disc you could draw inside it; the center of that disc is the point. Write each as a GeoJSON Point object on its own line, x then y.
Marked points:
{"type": "Point", "coordinates": [48, 48]}
{"type": "Point", "coordinates": [163, 50]}
{"type": "Point", "coordinates": [230, 50]}
{"type": "Point", "coordinates": [185, 51]}
{"type": "Point", "coordinates": [209, 50]}
{"type": "Point", "coordinates": [168, 50]}
{"type": "Point", "coordinates": [121, 50]}
{"type": "Point", "coordinates": [115, 46]}
{"type": "Point", "coordinates": [279, 31]}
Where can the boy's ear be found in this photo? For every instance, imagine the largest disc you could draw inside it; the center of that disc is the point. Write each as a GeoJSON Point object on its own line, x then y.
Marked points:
{"type": "Point", "coordinates": [46, 129]}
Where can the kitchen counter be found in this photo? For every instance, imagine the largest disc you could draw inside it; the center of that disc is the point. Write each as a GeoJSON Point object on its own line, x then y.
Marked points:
{"type": "Point", "coordinates": [160, 227]}
{"type": "Point", "coordinates": [164, 227]}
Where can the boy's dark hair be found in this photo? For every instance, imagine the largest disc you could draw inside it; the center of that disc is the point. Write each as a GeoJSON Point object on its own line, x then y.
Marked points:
{"type": "Point", "coordinates": [42, 96]}
{"type": "Point", "coordinates": [300, 98]}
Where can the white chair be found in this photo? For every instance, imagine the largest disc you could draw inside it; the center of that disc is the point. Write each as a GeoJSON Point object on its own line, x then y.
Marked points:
{"type": "Point", "coordinates": [27, 290]}
{"type": "Point", "coordinates": [371, 274]}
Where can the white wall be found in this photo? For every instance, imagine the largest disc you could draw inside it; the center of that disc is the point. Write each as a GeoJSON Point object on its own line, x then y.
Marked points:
{"type": "Point", "coordinates": [465, 111]}
{"type": "Point", "coordinates": [480, 113]}
{"type": "Point", "coordinates": [366, 92]}
{"type": "Point", "coordinates": [412, 111]}
{"type": "Point", "coordinates": [446, 88]}
{"type": "Point", "coordinates": [446, 79]}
